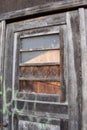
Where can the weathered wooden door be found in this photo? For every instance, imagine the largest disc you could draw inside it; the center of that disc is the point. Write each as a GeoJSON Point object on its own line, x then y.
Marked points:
{"type": "Point", "coordinates": [36, 74]}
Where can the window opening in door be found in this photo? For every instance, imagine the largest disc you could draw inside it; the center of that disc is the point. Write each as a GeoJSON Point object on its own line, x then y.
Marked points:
{"type": "Point", "coordinates": [40, 67]}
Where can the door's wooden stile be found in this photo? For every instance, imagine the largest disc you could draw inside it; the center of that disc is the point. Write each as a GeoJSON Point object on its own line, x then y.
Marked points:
{"type": "Point", "coordinates": [2, 84]}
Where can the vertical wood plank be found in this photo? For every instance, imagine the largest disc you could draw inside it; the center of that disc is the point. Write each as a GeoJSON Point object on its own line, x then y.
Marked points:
{"type": "Point", "coordinates": [72, 83]}
{"type": "Point", "coordinates": [0, 76]}
{"type": "Point", "coordinates": [14, 65]}
{"type": "Point", "coordinates": [8, 76]}
{"type": "Point", "coordinates": [84, 67]}
{"type": "Point", "coordinates": [77, 59]}
{"type": "Point", "coordinates": [15, 75]}
{"type": "Point", "coordinates": [64, 63]}
{"type": "Point", "coordinates": [2, 96]}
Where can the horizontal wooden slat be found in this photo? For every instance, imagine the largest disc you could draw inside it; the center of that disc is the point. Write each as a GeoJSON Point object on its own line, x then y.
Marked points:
{"type": "Point", "coordinates": [63, 123]}
{"type": "Point", "coordinates": [38, 97]}
{"type": "Point", "coordinates": [44, 8]}
{"type": "Point", "coordinates": [42, 49]}
{"type": "Point", "coordinates": [48, 33]}
{"type": "Point", "coordinates": [38, 119]}
{"type": "Point", "coordinates": [43, 86]}
{"type": "Point", "coordinates": [39, 64]}
{"type": "Point", "coordinates": [35, 101]}
{"type": "Point", "coordinates": [25, 106]}
{"type": "Point", "coordinates": [41, 114]}
{"type": "Point", "coordinates": [40, 72]}
{"type": "Point", "coordinates": [36, 126]}
{"type": "Point", "coordinates": [39, 79]}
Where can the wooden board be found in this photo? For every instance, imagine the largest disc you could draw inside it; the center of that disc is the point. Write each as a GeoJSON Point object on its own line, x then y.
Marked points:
{"type": "Point", "coordinates": [42, 8]}
{"type": "Point", "coordinates": [40, 87]}
{"type": "Point", "coordinates": [40, 72]}
{"type": "Point", "coordinates": [36, 126]}
{"type": "Point", "coordinates": [2, 87]}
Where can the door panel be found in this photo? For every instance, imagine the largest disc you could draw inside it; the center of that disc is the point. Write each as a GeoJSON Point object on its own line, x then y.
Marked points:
{"type": "Point", "coordinates": [37, 89]}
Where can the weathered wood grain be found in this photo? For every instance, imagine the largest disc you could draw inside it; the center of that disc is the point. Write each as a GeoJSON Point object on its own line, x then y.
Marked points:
{"type": "Point", "coordinates": [36, 126]}
{"type": "Point", "coordinates": [30, 115]}
{"type": "Point", "coordinates": [71, 65]}
{"type": "Point", "coordinates": [51, 6]}
{"type": "Point", "coordinates": [50, 87]}
{"type": "Point", "coordinates": [38, 97]}
{"type": "Point", "coordinates": [32, 118]}
{"type": "Point", "coordinates": [73, 41]}
{"type": "Point", "coordinates": [0, 57]}
{"type": "Point", "coordinates": [78, 67]}
{"type": "Point", "coordinates": [11, 5]}
{"type": "Point", "coordinates": [39, 33]}
{"type": "Point", "coordinates": [39, 22]}
{"type": "Point", "coordinates": [40, 72]}
{"type": "Point", "coordinates": [8, 75]}
{"type": "Point", "coordinates": [64, 63]}
{"type": "Point", "coordinates": [13, 42]}
{"type": "Point", "coordinates": [40, 106]}
{"type": "Point", "coordinates": [2, 87]}
{"type": "Point", "coordinates": [83, 41]}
